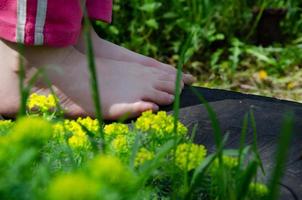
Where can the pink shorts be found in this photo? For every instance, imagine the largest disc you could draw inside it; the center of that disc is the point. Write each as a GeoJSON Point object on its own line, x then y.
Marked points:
{"type": "Point", "coordinates": [48, 22]}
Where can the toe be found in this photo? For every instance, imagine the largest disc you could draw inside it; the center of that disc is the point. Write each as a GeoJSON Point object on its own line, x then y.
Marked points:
{"type": "Point", "coordinates": [159, 65]}
{"type": "Point", "coordinates": [167, 86]}
{"type": "Point", "coordinates": [159, 97]}
{"type": "Point", "coordinates": [188, 79]}
{"type": "Point", "coordinates": [129, 110]}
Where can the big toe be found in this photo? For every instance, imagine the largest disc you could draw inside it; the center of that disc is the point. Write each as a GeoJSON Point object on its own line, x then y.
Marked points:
{"type": "Point", "coordinates": [129, 110]}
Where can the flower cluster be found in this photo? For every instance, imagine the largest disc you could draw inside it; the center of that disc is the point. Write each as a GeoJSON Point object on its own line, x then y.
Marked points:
{"type": "Point", "coordinates": [73, 130]}
{"type": "Point", "coordinates": [189, 156]}
{"type": "Point", "coordinates": [121, 144]}
{"type": "Point", "coordinates": [115, 129]}
{"type": "Point", "coordinates": [79, 139]}
{"type": "Point", "coordinates": [160, 124]}
{"type": "Point", "coordinates": [41, 103]}
{"type": "Point", "coordinates": [142, 156]}
{"type": "Point", "coordinates": [92, 125]}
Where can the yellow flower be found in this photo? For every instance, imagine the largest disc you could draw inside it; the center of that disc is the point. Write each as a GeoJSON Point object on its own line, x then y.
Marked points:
{"type": "Point", "coordinates": [262, 74]}
{"type": "Point", "coordinates": [79, 139]}
{"type": "Point", "coordinates": [189, 156]}
{"type": "Point", "coordinates": [142, 156]}
{"type": "Point", "coordinates": [120, 144]}
{"type": "Point", "coordinates": [41, 102]}
{"type": "Point", "coordinates": [58, 130]}
{"type": "Point", "coordinates": [73, 187]}
{"type": "Point", "coordinates": [144, 122]}
{"type": "Point", "coordinates": [114, 129]}
{"type": "Point", "coordinates": [73, 127]}
{"type": "Point", "coordinates": [91, 124]}
{"type": "Point", "coordinates": [258, 190]}
{"type": "Point", "coordinates": [160, 124]}
{"type": "Point", "coordinates": [79, 142]}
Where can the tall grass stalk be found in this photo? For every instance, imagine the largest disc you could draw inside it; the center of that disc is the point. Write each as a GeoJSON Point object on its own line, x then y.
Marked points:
{"type": "Point", "coordinates": [93, 78]}
{"type": "Point", "coordinates": [215, 123]}
{"type": "Point", "coordinates": [219, 142]}
{"type": "Point", "coordinates": [255, 142]}
{"type": "Point", "coordinates": [281, 156]}
{"type": "Point", "coordinates": [242, 138]}
{"type": "Point", "coordinates": [178, 90]}
{"type": "Point", "coordinates": [178, 81]}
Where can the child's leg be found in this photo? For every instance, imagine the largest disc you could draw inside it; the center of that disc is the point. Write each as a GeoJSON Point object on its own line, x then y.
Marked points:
{"type": "Point", "coordinates": [105, 49]}
{"type": "Point", "coordinates": [126, 88]}
{"type": "Point", "coordinates": [9, 89]}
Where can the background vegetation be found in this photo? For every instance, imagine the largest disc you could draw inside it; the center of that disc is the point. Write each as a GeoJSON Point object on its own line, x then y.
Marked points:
{"type": "Point", "coordinates": [238, 45]}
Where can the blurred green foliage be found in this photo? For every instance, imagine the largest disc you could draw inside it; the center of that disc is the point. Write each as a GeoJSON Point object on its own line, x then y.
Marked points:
{"type": "Point", "coordinates": [156, 28]}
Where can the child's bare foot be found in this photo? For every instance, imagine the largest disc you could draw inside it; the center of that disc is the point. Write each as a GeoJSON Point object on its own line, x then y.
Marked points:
{"type": "Point", "coordinates": [9, 88]}
{"type": "Point", "coordinates": [126, 88]}
{"type": "Point", "coordinates": [106, 49]}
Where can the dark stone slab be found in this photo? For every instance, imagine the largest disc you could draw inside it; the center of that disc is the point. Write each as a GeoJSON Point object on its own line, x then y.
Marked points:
{"type": "Point", "coordinates": [230, 108]}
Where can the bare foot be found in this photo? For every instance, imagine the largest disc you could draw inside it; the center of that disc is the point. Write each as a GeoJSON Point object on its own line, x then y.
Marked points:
{"type": "Point", "coordinates": [126, 88]}
{"type": "Point", "coordinates": [9, 88]}
{"type": "Point", "coordinates": [106, 49]}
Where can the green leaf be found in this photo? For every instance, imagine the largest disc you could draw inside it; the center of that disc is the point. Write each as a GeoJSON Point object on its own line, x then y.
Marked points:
{"type": "Point", "coordinates": [246, 179]}
{"type": "Point", "coordinates": [170, 15]}
{"type": "Point", "coordinates": [114, 30]}
{"type": "Point", "coordinates": [150, 7]}
{"type": "Point", "coordinates": [152, 23]}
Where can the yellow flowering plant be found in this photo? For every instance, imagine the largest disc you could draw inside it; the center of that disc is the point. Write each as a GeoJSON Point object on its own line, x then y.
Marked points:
{"type": "Point", "coordinates": [45, 106]}
{"type": "Point", "coordinates": [54, 158]}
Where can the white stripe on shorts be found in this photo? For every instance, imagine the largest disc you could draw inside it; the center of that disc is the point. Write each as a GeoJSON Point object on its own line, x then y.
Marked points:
{"type": "Point", "coordinates": [40, 21]}
{"type": "Point", "coordinates": [21, 20]}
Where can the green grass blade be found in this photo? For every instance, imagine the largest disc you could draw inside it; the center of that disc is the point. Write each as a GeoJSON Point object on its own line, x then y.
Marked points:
{"type": "Point", "coordinates": [255, 143]}
{"type": "Point", "coordinates": [242, 138]}
{"type": "Point", "coordinates": [178, 81]}
{"type": "Point", "coordinates": [246, 179]}
{"type": "Point", "coordinates": [214, 120]}
{"type": "Point", "coordinates": [93, 77]}
{"type": "Point", "coordinates": [281, 156]}
{"type": "Point", "coordinates": [201, 169]}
